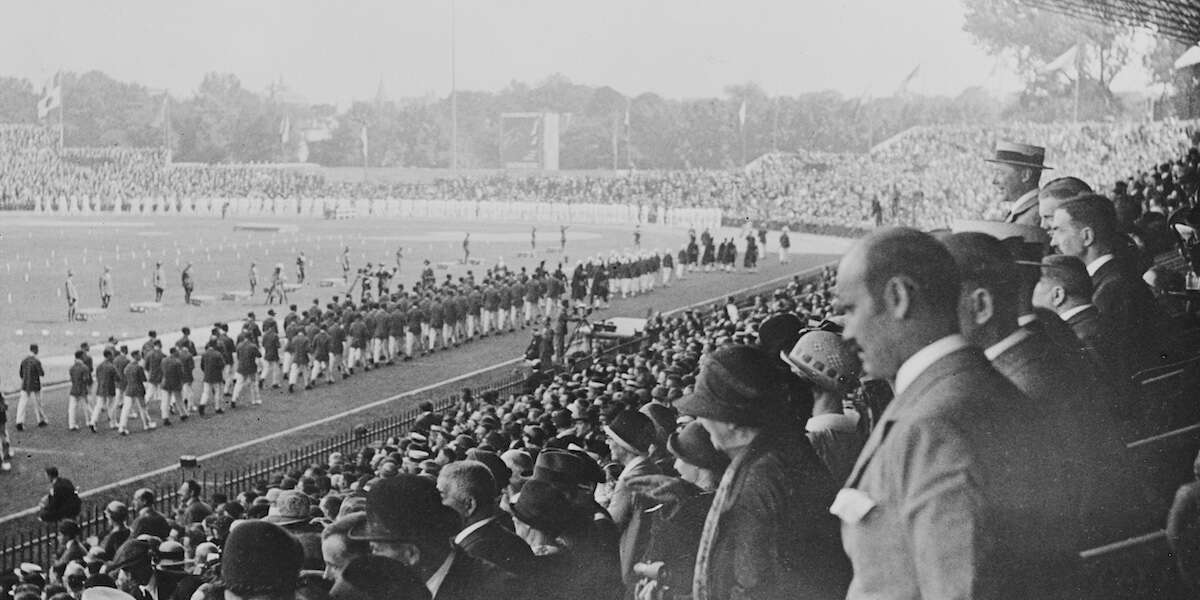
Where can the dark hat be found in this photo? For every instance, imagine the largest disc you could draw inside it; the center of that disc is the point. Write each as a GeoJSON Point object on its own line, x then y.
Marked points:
{"type": "Point", "coordinates": [567, 468]}
{"type": "Point", "coordinates": [779, 333]}
{"type": "Point", "coordinates": [134, 554]}
{"type": "Point", "coordinates": [169, 554]}
{"type": "Point", "coordinates": [736, 385]}
{"type": "Point", "coordinates": [662, 416]}
{"type": "Point", "coordinates": [500, 471]}
{"type": "Point", "coordinates": [692, 445]}
{"type": "Point", "coordinates": [632, 430]}
{"type": "Point", "coordinates": [544, 507]}
{"type": "Point", "coordinates": [402, 508]}
{"type": "Point", "coordinates": [1021, 155]}
{"type": "Point", "coordinates": [260, 558]}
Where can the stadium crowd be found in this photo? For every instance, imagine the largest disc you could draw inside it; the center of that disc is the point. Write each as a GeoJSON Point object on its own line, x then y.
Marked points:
{"type": "Point", "coordinates": [924, 177]}
{"type": "Point", "coordinates": [970, 391]}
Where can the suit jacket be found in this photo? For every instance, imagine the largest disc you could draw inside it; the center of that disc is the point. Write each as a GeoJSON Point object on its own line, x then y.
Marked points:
{"type": "Point", "coordinates": [951, 471]}
{"type": "Point", "coordinates": [1137, 324]}
{"type": "Point", "coordinates": [470, 578]}
{"type": "Point", "coordinates": [1091, 481]}
{"type": "Point", "coordinates": [499, 546]}
{"type": "Point", "coordinates": [1091, 329]}
{"type": "Point", "coordinates": [1025, 210]}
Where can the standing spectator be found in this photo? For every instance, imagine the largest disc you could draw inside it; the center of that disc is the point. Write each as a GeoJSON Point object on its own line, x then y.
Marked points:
{"type": "Point", "coordinates": [470, 489]}
{"type": "Point", "coordinates": [79, 397]}
{"type": "Point", "coordinates": [1017, 176]}
{"type": "Point", "coordinates": [768, 532]}
{"type": "Point", "coordinates": [106, 286]}
{"type": "Point", "coordinates": [934, 508]}
{"type": "Point", "coordinates": [62, 502]}
{"type": "Point", "coordinates": [72, 296]}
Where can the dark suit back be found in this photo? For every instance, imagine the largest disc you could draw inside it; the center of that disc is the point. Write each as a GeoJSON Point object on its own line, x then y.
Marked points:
{"type": "Point", "coordinates": [499, 546]}
{"type": "Point", "coordinates": [472, 579]}
{"type": "Point", "coordinates": [1125, 301]}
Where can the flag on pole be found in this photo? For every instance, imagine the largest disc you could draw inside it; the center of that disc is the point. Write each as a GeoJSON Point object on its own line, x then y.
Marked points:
{"type": "Point", "coordinates": [628, 102]}
{"type": "Point", "coordinates": [285, 130]}
{"type": "Point", "coordinates": [903, 87]}
{"type": "Point", "coordinates": [363, 137]}
{"type": "Point", "coordinates": [1065, 62]}
{"type": "Point", "coordinates": [742, 115]}
{"type": "Point", "coordinates": [51, 96]}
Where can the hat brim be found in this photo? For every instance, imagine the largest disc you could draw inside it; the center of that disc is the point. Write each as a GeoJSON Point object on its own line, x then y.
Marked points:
{"type": "Point", "coordinates": [282, 521]}
{"type": "Point", "coordinates": [374, 532]}
{"type": "Point", "coordinates": [1019, 163]}
{"type": "Point", "coordinates": [614, 436]}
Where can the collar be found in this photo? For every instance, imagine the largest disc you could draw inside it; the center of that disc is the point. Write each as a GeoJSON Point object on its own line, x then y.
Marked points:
{"type": "Point", "coordinates": [924, 358]}
{"type": "Point", "coordinates": [1070, 312]}
{"type": "Point", "coordinates": [434, 583]}
{"type": "Point", "coordinates": [833, 422]}
{"type": "Point", "coordinates": [1026, 319]}
{"type": "Point", "coordinates": [469, 529]}
{"type": "Point", "coordinates": [1002, 346]}
{"type": "Point", "coordinates": [1025, 201]}
{"type": "Point", "coordinates": [1095, 265]}
{"type": "Point", "coordinates": [626, 473]}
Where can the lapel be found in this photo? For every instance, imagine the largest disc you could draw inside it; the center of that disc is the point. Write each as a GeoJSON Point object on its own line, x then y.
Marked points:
{"type": "Point", "coordinates": [903, 404]}
{"type": "Point", "coordinates": [1024, 203]}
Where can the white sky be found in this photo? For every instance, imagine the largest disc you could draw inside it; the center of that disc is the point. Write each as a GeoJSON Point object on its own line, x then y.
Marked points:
{"type": "Point", "coordinates": [334, 51]}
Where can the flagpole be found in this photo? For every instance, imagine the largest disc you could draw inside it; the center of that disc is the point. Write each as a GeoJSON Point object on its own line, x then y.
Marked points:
{"type": "Point", "coordinates": [167, 125]}
{"type": "Point", "coordinates": [453, 95]}
{"type": "Point", "coordinates": [62, 108]}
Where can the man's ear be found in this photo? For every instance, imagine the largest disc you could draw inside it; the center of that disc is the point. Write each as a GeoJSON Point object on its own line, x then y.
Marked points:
{"type": "Point", "coordinates": [898, 296]}
{"type": "Point", "coordinates": [1058, 296]}
{"type": "Point", "coordinates": [1088, 235]}
{"type": "Point", "coordinates": [982, 305]}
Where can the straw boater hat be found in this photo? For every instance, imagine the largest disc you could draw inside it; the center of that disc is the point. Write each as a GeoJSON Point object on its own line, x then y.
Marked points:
{"type": "Point", "coordinates": [1021, 155]}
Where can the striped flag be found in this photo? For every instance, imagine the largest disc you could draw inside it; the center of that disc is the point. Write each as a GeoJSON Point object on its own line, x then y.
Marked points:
{"type": "Point", "coordinates": [51, 96]}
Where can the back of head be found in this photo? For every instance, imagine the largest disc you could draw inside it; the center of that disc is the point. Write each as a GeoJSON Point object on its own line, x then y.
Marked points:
{"type": "Point", "coordinates": [984, 262]}
{"type": "Point", "coordinates": [1069, 273]}
{"type": "Point", "coordinates": [1095, 212]}
{"type": "Point", "coordinates": [474, 479]}
{"type": "Point", "coordinates": [1064, 188]}
{"type": "Point", "coordinates": [901, 251]}
{"type": "Point", "coordinates": [260, 558]}
{"type": "Point", "coordinates": [378, 578]}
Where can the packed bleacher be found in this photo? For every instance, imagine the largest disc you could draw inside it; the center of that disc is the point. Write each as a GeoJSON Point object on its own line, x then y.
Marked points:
{"type": "Point", "coordinates": [924, 177]}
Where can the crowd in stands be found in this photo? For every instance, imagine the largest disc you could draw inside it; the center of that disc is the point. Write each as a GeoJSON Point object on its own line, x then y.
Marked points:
{"type": "Point", "coordinates": [924, 177]}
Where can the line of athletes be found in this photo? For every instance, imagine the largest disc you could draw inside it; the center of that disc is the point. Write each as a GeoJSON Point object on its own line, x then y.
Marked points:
{"type": "Point", "coordinates": [330, 343]}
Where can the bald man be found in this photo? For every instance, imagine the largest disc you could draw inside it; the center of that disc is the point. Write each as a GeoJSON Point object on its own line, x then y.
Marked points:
{"type": "Point", "coordinates": [937, 503]}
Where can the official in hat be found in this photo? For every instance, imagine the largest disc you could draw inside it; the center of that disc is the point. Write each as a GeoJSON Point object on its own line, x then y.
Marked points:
{"type": "Point", "coordinates": [1017, 177]}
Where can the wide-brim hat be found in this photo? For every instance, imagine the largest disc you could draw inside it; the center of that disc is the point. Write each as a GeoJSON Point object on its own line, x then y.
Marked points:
{"type": "Point", "coordinates": [633, 431]}
{"type": "Point", "coordinates": [544, 507]}
{"type": "Point", "coordinates": [1021, 155]}
{"type": "Point", "coordinates": [737, 384]}
{"type": "Point", "coordinates": [693, 445]}
{"type": "Point", "coordinates": [403, 508]}
{"type": "Point", "coordinates": [290, 507]}
{"type": "Point", "coordinates": [564, 467]}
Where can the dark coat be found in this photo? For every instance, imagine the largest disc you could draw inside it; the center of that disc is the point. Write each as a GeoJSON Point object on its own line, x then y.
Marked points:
{"type": "Point", "coordinates": [31, 374]}
{"type": "Point", "coordinates": [470, 578]}
{"type": "Point", "coordinates": [212, 365]}
{"type": "Point", "coordinates": [1137, 323]}
{"type": "Point", "coordinates": [499, 546]}
{"type": "Point", "coordinates": [1183, 532]}
{"type": "Point", "coordinates": [61, 503]}
{"type": "Point", "coordinates": [776, 537]}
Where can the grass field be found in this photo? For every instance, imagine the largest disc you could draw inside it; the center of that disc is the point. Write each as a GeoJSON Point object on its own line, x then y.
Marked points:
{"type": "Point", "coordinates": [36, 252]}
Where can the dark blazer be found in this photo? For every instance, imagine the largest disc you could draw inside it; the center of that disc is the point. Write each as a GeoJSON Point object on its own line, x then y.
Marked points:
{"type": "Point", "coordinates": [952, 468]}
{"type": "Point", "coordinates": [470, 578]}
{"type": "Point", "coordinates": [499, 546]}
{"type": "Point", "coordinates": [61, 503]}
{"type": "Point", "coordinates": [1136, 321]}
{"type": "Point", "coordinates": [1091, 330]}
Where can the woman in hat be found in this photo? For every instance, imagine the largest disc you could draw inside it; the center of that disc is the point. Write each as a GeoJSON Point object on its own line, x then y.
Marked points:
{"type": "Point", "coordinates": [564, 565]}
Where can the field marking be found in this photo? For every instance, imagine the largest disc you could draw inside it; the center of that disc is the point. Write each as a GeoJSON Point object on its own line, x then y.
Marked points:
{"type": "Point", "coordinates": [381, 402]}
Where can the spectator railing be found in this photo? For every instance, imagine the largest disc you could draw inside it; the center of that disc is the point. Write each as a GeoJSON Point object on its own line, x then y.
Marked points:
{"type": "Point", "coordinates": [38, 544]}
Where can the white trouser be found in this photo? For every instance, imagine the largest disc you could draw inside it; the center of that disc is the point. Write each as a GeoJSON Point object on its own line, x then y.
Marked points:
{"type": "Point", "coordinates": [134, 404]}
{"type": "Point", "coordinates": [299, 372]}
{"type": "Point", "coordinates": [74, 405]}
{"type": "Point", "coordinates": [210, 390]}
{"type": "Point", "coordinates": [335, 367]}
{"type": "Point", "coordinates": [168, 400]}
{"type": "Point", "coordinates": [271, 372]}
{"type": "Point", "coordinates": [783, 254]}
{"type": "Point", "coordinates": [244, 381]}
{"type": "Point", "coordinates": [108, 405]}
{"type": "Point", "coordinates": [227, 373]}
{"type": "Point", "coordinates": [38, 412]}
{"type": "Point", "coordinates": [470, 326]}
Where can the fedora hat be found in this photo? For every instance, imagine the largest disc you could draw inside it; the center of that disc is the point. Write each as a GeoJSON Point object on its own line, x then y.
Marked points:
{"type": "Point", "coordinates": [290, 507]}
{"type": "Point", "coordinates": [564, 467]}
{"type": "Point", "coordinates": [1021, 155]}
{"type": "Point", "coordinates": [404, 508]}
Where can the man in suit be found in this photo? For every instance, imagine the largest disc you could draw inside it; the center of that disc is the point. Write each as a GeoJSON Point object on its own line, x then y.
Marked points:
{"type": "Point", "coordinates": [1066, 289]}
{"type": "Point", "coordinates": [62, 502]}
{"type": "Point", "coordinates": [469, 489]}
{"type": "Point", "coordinates": [1079, 444]}
{"type": "Point", "coordinates": [1054, 193]}
{"type": "Point", "coordinates": [407, 522]}
{"type": "Point", "coordinates": [1017, 174]}
{"type": "Point", "coordinates": [938, 503]}
{"type": "Point", "coordinates": [1086, 228]}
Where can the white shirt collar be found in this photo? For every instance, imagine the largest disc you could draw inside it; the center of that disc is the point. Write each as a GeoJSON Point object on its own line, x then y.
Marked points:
{"type": "Point", "coordinates": [1070, 312]}
{"type": "Point", "coordinates": [469, 529]}
{"type": "Point", "coordinates": [1003, 345]}
{"type": "Point", "coordinates": [1026, 319]}
{"type": "Point", "coordinates": [924, 358]}
{"type": "Point", "coordinates": [1095, 265]}
{"type": "Point", "coordinates": [435, 581]}
{"type": "Point", "coordinates": [832, 422]}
